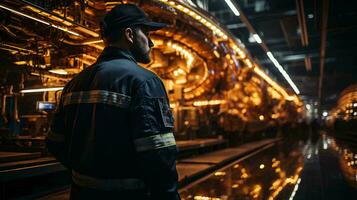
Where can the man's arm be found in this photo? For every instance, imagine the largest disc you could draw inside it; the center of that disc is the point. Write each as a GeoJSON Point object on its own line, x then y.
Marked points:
{"type": "Point", "coordinates": [152, 125]}
{"type": "Point", "coordinates": [56, 140]}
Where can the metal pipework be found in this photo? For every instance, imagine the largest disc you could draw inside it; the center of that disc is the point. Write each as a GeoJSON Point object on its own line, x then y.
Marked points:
{"type": "Point", "coordinates": [3, 106]}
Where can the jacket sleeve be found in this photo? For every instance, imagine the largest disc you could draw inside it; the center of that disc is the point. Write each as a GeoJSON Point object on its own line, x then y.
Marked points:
{"type": "Point", "coordinates": [152, 125]}
{"type": "Point", "coordinates": [56, 138]}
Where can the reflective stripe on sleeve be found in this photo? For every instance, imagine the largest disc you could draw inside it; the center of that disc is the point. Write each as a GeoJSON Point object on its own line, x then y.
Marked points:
{"type": "Point", "coordinates": [55, 137]}
{"type": "Point", "coordinates": [97, 96]}
{"type": "Point", "coordinates": [155, 142]}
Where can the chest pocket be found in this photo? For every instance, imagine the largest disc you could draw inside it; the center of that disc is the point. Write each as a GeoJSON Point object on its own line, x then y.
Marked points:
{"type": "Point", "coordinates": [165, 113]}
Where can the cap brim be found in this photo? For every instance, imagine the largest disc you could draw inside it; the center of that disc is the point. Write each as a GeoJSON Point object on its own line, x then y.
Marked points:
{"type": "Point", "coordinates": [154, 26]}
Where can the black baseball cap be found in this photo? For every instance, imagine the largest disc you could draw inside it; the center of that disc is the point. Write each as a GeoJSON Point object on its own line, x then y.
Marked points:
{"type": "Point", "coordinates": [125, 15]}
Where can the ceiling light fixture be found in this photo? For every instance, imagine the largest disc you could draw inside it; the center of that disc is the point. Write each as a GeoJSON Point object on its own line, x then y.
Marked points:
{"type": "Point", "coordinates": [257, 38]}
{"type": "Point", "coordinates": [59, 71]}
{"type": "Point", "coordinates": [209, 102]}
{"type": "Point", "coordinates": [283, 72]}
{"type": "Point", "coordinates": [41, 90]}
{"type": "Point", "coordinates": [232, 7]}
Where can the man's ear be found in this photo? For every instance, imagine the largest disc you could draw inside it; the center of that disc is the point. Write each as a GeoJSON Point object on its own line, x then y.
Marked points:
{"type": "Point", "coordinates": [129, 35]}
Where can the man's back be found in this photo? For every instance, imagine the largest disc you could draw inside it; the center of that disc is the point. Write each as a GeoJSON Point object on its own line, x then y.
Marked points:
{"type": "Point", "coordinates": [115, 119]}
{"type": "Point", "coordinates": [101, 142]}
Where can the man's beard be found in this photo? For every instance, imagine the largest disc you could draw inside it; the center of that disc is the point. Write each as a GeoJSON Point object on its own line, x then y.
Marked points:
{"type": "Point", "coordinates": [138, 52]}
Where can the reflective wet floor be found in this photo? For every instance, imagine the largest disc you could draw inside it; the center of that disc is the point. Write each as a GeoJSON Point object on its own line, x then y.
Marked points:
{"type": "Point", "coordinates": [318, 167]}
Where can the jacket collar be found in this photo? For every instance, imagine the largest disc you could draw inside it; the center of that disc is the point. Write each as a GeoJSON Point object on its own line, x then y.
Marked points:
{"type": "Point", "coordinates": [110, 53]}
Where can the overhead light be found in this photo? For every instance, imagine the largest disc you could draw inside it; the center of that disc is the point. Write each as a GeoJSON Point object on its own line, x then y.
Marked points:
{"type": "Point", "coordinates": [22, 62]}
{"type": "Point", "coordinates": [41, 90]}
{"type": "Point", "coordinates": [232, 7]}
{"type": "Point", "coordinates": [261, 117]}
{"type": "Point", "coordinates": [209, 102]}
{"type": "Point", "coordinates": [216, 53]}
{"type": "Point", "coordinates": [257, 38]}
{"type": "Point", "coordinates": [18, 48]}
{"type": "Point", "coordinates": [283, 72]}
{"type": "Point", "coordinates": [325, 113]}
{"type": "Point", "coordinates": [39, 20]}
{"type": "Point", "coordinates": [58, 71]}
{"type": "Point", "coordinates": [96, 41]}
{"type": "Point", "coordinates": [271, 57]}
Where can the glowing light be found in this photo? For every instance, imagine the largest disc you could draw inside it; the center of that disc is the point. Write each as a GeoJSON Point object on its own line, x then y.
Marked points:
{"type": "Point", "coordinates": [92, 42]}
{"type": "Point", "coordinates": [283, 72]}
{"type": "Point", "coordinates": [240, 52]}
{"type": "Point", "coordinates": [261, 117]}
{"type": "Point", "coordinates": [183, 52]}
{"type": "Point", "coordinates": [205, 21]}
{"type": "Point", "coordinates": [205, 198]}
{"type": "Point", "coordinates": [248, 63]}
{"type": "Point", "coordinates": [261, 166]}
{"type": "Point", "coordinates": [181, 81]}
{"type": "Point", "coordinates": [41, 90]}
{"type": "Point", "coordinates": [274, 116]}
{"type": "Point", "coordinates": [20, 62]}
{"type": "Point", "coordinates": [59, 71]}
{"type": "Point", "coordinates": [232, 7]}
{"type": "Point", "coordinates": [257, 38]}
{"type": "Point", "coordinates": [275, 163]}
{"type": "Point", "coordinates": [220, 173]}
{"type": "Point", "coordinates": [295, 189]}
{"type": "Point", "coordinates": [244, 175]}
{"type": "Point", "coordinates": [210, 102]}
{"type": "Point", "coordinates": [256, 191]}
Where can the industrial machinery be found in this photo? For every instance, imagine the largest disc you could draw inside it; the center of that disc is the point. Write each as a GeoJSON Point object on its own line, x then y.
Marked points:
{"type": "Point", "coordinates": [214, 85]}
{"type": "Point", "coordinates": [344, 116]}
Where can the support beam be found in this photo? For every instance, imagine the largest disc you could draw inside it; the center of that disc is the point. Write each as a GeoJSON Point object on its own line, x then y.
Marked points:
{"type": "Point", "coordinates": [325, 4]}
{"type": "Point", "coordinates": [302, 22]}
{"type": "Point", "coordinates": [303, 29]}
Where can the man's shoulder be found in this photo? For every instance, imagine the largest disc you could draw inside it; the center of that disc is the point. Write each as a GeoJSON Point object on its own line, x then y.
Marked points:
{"type": "Point", "coordinates": [128, 68]}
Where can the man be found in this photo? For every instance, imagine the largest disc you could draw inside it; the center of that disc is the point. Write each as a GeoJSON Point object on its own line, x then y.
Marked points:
{"type": "Point", "coordinates": [113, 126]}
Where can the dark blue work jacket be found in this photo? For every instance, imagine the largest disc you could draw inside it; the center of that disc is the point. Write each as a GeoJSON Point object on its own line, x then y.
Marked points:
{"type": "Point", "coordinates": [114, 129]}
